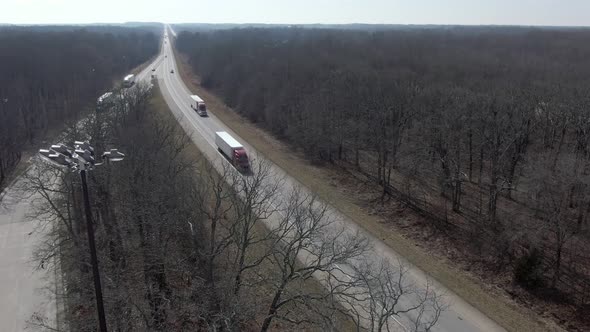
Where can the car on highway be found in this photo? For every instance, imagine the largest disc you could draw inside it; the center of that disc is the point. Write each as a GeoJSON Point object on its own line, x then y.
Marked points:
{"type": "Point", "coordinates": [153, 69]}
{"type": "Point", "coordinates": [171, 71]}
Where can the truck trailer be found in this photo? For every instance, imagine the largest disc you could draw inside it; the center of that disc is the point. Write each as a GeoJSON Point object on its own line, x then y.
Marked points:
{"type": "Point", "coordinates": [129, 80]}
{"type": "Point", "coordinates": [105, 98]}
{"type": "Point", "coordinates": [198, 105]}
{"type": "Point", "coordinates": [232, 150]}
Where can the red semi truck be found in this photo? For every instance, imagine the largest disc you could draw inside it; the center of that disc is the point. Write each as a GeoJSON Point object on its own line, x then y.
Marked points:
{"type": "Point", "coordinates": [233, 150]}
{"type": "Point", "coordinates": [198, 105]}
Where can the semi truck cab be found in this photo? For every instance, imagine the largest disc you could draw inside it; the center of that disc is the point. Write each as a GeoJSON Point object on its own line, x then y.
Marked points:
{"type": "Point", "coordinates": [233, 151]}
{"type": "Point", "coordinates": [202, 109]}
{"type": "Point", "coordinates": [241, 159]}
{"type": "Point", "coordinates": [199, 105]}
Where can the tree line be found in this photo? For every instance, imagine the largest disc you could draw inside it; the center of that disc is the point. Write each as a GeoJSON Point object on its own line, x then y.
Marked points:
{"type": "Point", "coordinates": [51, 75]}
{"type": "Point", "coordinates": [482, 131]}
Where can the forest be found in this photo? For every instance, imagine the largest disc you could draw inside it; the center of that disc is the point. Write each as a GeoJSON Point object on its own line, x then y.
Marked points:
{"type": "Point", "coordinates": [49, 76]}
{"type": "Point", "coordinates": [481, 131]}
{"type": "Point", "coordinates": [182, 247]}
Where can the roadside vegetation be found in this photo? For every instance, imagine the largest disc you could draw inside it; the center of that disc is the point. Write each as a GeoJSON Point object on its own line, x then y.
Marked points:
{"type": "Point", "coordinates": [184, 245]}
{"type": "Point", "coordinates": [51, 75]}
{"type": "Point", "coordinates": [480, 132]}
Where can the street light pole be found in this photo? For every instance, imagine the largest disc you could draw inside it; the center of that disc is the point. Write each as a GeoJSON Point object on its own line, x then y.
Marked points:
{"type": "Point", "coordinates": [82, 160]}
{"type": "Point", "coordinates": [102, 321]}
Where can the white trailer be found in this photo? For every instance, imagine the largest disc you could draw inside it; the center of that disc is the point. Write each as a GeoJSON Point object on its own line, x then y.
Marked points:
{"type": "Point", "coordinates": [198, 105]}
{"type": "Point", "coordinates": [129, 80]}
{"type": "Point", "coordinates": [232, 150]}
{"type": "Point", "coordinates": [104, 98]}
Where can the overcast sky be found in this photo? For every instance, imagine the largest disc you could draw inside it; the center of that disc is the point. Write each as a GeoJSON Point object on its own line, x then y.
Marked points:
{"type": "Point", "coordinates": [517, 12]}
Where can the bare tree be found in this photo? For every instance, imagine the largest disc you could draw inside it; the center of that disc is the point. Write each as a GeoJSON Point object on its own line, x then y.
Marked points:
{"type": "Point", "coordinates": [214, 195]}
{"type": "Point", "coordinates": [307, 244]}
{"type": "Point", "coordinates": [558, 194]}
{"type": "Point", "coordinates": [255, 200]}
{"type": "Point", "coordinates": [391, 301]}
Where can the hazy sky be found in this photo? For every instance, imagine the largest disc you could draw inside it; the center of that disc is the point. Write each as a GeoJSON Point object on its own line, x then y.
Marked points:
{"type": "Point", "coordinates": [521, 12]}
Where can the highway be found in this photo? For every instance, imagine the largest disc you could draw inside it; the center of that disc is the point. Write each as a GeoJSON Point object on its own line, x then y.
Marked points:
{"type": "Point", "coordinates": [460, 316]}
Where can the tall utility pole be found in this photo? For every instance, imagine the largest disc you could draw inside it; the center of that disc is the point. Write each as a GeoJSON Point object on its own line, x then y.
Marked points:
{"type": "Point", "coordinates": [102, 321]}
{"type": "Point", "coordinates": [82, 160]}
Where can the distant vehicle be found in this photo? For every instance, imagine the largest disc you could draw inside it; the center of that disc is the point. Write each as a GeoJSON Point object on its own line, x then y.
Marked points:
{"type": "Point", "coordinates": [232, 150]}
{"type": "Point", "coordinates": [129, 80]}
{"type": "Point", "coordinates": [198, 105]}
{"type": "Point", "coordinates": [172, 71]}
{"type": "Point", "coordinates": [153, 69]}
{"type": "Point", "coordinates": [104, 99]}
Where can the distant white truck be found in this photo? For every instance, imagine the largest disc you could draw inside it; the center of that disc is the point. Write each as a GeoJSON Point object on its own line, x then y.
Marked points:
{"type": "Point", "coordinates": [104, 98]}
{"type": "Point", "coordinates": [105, 102]}
{"type": "Point", "coordinates": [198, 105]}
{"type": "Point", "coordinates": [129, 80]}
{"type": "Point", "coordinates": [232, 150]}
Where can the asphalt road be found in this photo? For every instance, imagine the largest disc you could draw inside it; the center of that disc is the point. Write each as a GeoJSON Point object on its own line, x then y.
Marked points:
{"type": "Point", "coordinates": [25, 289]}
{"type": "Point", "coordinates": [460, 316]}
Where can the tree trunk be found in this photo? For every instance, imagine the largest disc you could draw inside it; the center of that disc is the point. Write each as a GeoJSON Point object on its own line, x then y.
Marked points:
{"type": "Point", "coordinates": [211, 258]}
{"type": "Point", "coordinates": [273, 308]}
{"type": "Point", "coordinates": [557, 153]}
{"type": "Point", "coordinates": [457, 196]}
{"type": "Point", "coordinates": [238, 277]}
{"type": "Point", "coordinates": [470, 155]}
{"type": "Point", "coordinates": [492, 204]}
{"type": "Point", "coordinates": [557, 265]}
{"type": "Point", "coordinates": [480, 176]}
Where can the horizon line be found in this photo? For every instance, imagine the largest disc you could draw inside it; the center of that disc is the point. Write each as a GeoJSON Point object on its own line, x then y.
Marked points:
{"type": "Point", "coordinates": [295, 24]}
